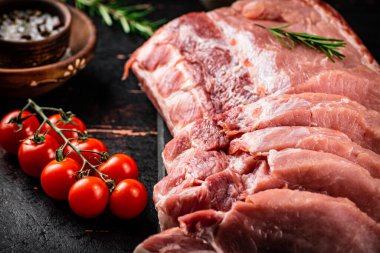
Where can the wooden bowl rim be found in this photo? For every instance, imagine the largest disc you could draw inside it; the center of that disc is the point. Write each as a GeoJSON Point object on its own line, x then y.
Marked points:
{"type": "Point", "coordinates": [64, 9]}
{"type": "Point", "coordinates": [88, 47]}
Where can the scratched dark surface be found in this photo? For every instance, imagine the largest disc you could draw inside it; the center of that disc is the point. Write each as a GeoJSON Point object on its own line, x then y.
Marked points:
{"type": "Point", "coordinates": [121, 115]}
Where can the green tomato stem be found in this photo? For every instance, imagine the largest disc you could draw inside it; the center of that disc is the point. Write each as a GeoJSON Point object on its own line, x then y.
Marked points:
{"type": "Point", "coordinates": [40, 111]}
{"type": "Point", "coordinates": [74, 131]}
{"type": "Point", "coordinates": [60, 110]}
{"type": "Point", "coordinates": [39, 128]}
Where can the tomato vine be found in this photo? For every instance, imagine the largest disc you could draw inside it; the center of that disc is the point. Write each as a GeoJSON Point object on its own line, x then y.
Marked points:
{"type": "Point", "coordinates": [71, 165]}
{"type": "Point", "coordinates": [40, 111]}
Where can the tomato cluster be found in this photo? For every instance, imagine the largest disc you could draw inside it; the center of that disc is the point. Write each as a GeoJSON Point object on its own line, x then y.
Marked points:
{"type": "Point", "coordinates": [64, 175]}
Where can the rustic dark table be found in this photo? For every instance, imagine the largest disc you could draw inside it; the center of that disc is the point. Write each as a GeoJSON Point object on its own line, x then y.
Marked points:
{"type": "Point", "coordinates": [121, 115]}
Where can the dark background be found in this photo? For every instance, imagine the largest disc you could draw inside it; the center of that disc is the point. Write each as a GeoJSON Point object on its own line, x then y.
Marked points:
{"type": "Point", "coordinates": [120, 114]}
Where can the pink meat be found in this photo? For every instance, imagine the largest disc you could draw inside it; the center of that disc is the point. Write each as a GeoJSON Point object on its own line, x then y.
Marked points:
{"type": "Point", "coordinates": [174, 241]}
{"type": "Point", "coordinates": [202, 135]}
{"type": "Point", "coordinates": [202, 64]}
{"type": "Point", "coordinates": [218, 192]}
{"type": "Point", "coordinates": [306, 109]}
{"type": "Point", "coordinates": [192, 164]}
{"type": "Point", "coordinates": [249, 116]}
{"type": "Point", "coordinates": [273, 221]}
{"type": "Point", "coordinates": [312, 138]}
{"type": "Point", "coordinates": [320, 172]}
{"type": "Point", "coordinates": [290, 168]}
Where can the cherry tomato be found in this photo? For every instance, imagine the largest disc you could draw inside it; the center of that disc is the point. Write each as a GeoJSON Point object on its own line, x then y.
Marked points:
{"type": "Point", "coordinates": [88, 197]}
{"type": "Point", "coordinates": [120, 167]}
{"type": "Point", "coordinates": [74, 124]}
{"type": "Point", "coordinates": [10, 139]}
{"type": "Point", "coordinates": [90, 144]}
{"type": "Point", "coordinates": [33, 157]}
{"type": "Point", "coordinates": [128, 199]}
{"type": "Point", "coordinates": [58, 177]}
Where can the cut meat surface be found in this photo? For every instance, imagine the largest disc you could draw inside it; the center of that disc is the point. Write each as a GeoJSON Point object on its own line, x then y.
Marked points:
{"type": "Point", "coordinates": [218, 192]}
{"type": "Point", "coordinates": [290, 168]}
{"type": "Point", "coordinates": [283, 221]}
{"type": "Point", "coordinates": [202, 64]}
{"type": "Point", "coordinates": [192, 164]}
{"type": "Point", "coordinates": [177, 155]}
{"type": "Point", "coordinates": [199, 135]}
{"type": "Point", "coordinates": [254, 122]}
{"type": "Point", "coordinates": [312, 138]}
{"type": "Point", "coordinates": [174, 241]}
{"type": "Point", "coordinates": [321, 172]}
{"type": "Point", "coordinates": [306, 109]}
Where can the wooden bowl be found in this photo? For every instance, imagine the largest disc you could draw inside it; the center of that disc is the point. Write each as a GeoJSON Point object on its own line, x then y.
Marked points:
{"type": "Point", "coordinates": [24, 54]}
{"type": "Point", "coordinates": [31, 82]}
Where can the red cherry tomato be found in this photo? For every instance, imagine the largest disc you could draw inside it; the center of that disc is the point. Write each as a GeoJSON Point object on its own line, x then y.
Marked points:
{"type": "Point", "coordinates": [90, 144]}
{"type": "Point", "coordinates": [128, 199]}
{"type": "Point", "coordinates": [57, 120]}
{"type": "Point", "coordinates": [58, 177]}
{"type": "Point", "coordinates": [10, 139]}
{"type": "Point", "coordinates": [120, 167]}
{"type": "Point", "coordinates": [88, 197]}
{"type": "Point", "coordinates": [33, 157]}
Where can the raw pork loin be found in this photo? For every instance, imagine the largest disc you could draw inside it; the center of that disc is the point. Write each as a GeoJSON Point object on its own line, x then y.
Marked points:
{"type": "Point", "coordinates": [203, 188]}
{"type": "Point", "coordinates": [306, 109]}
{"type": "Point", "coordinates": [206, 63]}
{"type": "Point", "coordinates": [274, 150]}
{"type": "Point", "coordinates": [273, 221]}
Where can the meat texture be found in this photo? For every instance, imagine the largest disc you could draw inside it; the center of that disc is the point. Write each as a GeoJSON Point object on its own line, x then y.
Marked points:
{"type": "Point", "coordinates": [306, 109]}
{"type": "Point", "coordinates": [311, 138]}
{"type": "Point", "coordinates": [290, 168]}
{"type": "Point", "coordinates": [202, 64]}
{"type": "Point", "coordinates": [273, 221]}
{"type": "Point", "coordinates": [200, 135]}
{"type": "Point", "coordinates": [275, 150]}
{"type": "Point", "coordinates": [174, 241]}
{"type": "Point", "coordinates": [201, 174]}
{"type": "Point", "coordinates": [195, 140]}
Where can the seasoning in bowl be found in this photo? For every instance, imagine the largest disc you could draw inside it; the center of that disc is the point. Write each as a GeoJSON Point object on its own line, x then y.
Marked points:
{"type": "Point", "coordinates": [28, 25]}
{"type": "Point", "coordinates": [33, 32]}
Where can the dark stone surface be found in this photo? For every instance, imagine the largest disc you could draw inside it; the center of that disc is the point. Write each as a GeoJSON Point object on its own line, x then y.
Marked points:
{"type": "Point", "coordinates": [121, 115]}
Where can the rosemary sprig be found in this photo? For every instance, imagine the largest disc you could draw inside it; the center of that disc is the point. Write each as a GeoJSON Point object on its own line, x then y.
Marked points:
{"type": "Point", "coordinates": [131, 18]}
{"type": "Point", "coordinates": [328, 46]}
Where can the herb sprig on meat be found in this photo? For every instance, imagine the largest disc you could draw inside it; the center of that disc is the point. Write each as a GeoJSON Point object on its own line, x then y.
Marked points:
{"type": "Point", "coordinates": [328, 46]}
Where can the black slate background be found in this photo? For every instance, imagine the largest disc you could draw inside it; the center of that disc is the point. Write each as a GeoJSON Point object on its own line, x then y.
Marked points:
{"type": "Point", "coordinates": [121, 115]}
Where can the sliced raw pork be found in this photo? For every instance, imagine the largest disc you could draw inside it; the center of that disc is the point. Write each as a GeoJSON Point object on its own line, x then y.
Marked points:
{"type": "Point", "coordinates": [312, 138]}
{"type": "Point", "coordinates": [283, 221]}
{"type": "Point", "coordinates": [290, 168]}
{"type": "Point", "coordinates": [306, 109]}
{"type": "Point", "coordinates": [217, 77]}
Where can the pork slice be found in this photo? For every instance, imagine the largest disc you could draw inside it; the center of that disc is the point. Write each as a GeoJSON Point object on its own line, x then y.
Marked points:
{"type": "Point", "coordinates": [187, 187]}
{"type": "Point", "coordinates": [194, 164]}
{"type": "Point", "coordinates": [306, 109]}
{"type": "Point", "coordinates": [276, 220]}
{"type": "Point", "coordinates": [217, 192]}
{"type": "Point", "coordinates": [174, 241]}
{"type": "Point", "coordinates": [202, 64]}
{"type": "Point", "coordinates": [199, 135]}
{"type": "Point", "coordinates": [290, 221]}
{"type": "Point", "coordinates": [320, 172]}
{"type": "Point", "coordinates": [289, 168]}
{"type": "Point", "coordinates": [312, 138]}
